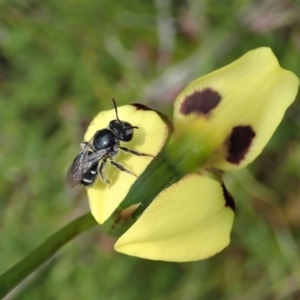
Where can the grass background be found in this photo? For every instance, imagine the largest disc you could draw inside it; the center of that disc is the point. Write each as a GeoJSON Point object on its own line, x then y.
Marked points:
{"type": "Point", "coordinates": [61, 62]}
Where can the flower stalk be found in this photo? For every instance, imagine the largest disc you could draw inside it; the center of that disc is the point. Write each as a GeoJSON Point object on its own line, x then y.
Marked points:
{"type": "Point", "coordinates": [16, 274]}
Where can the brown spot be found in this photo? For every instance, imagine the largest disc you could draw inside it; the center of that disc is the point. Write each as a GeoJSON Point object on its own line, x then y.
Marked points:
{"type": "Point", "coordinates": [140, 106]}
{"type": "Point", "coordinates": [238, 143]}
{"type": "Point", "coordinates": [201, 102]}
{"type": "Point", "coordinates": [228, 198]}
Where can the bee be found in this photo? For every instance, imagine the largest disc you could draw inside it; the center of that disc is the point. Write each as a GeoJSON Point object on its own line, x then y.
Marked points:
{"type": "Point", "coordinates": [103, 146]}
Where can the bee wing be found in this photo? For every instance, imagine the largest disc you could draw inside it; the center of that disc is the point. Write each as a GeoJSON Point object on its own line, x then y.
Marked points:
{"type": "Point", "coordinates": [93, 158]}
{"type": "Point", "coordinates": [76, 170]}
{"type": "Point", "coordinates": [82, 163]}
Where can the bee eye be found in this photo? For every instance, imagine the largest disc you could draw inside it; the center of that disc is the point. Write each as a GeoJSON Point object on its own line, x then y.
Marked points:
{"type": "Point", "coordinates": [123, 130]}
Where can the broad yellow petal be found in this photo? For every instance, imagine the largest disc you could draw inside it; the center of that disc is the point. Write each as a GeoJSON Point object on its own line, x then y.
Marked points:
{"type": "Point", "coordinates": [149, 138]}
{"type": "Point", "coordinates": [228, 116]}
{"type": "Point", "coordinates": [190, 220]}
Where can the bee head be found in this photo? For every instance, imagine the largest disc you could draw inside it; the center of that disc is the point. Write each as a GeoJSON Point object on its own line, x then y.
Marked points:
{"type": "Point", "coordinates": [123, 130]}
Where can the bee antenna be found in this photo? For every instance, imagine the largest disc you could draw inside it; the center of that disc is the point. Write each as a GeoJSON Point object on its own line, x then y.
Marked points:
{"type": "Point", "coordinates": [115, 105]}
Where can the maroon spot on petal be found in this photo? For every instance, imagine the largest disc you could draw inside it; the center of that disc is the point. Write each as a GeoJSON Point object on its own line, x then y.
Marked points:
{"type": "Point", "coordinates": [200, 102]}
{"type": "Point", "coordinates": [238, 143]}
{"type": "Point", "coordinates": [228, 198]}
{"type": "Point", "coordinates": [140, 106]}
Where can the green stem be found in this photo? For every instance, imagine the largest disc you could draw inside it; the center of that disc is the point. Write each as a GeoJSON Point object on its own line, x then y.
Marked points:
{"type": "Point", "coordinates": [160, 174]}
{"type": "Point", "coordinates": [41, 254]}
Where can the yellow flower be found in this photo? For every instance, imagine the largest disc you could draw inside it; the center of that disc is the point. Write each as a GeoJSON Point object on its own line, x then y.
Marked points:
{"type": "Point", "coordinates": [190, 220]}
{"type": "Point", "coordinates": [149, 138]}
{"type": "Point", "coordinates": [222, 121]}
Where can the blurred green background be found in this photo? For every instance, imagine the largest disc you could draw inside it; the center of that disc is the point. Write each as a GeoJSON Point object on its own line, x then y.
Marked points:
{"type": "Point", "coordinates": [61, 62]}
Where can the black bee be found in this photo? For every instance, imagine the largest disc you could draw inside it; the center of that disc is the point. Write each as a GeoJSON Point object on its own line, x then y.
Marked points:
{"type": "Point", "coordinates": [104, 145]}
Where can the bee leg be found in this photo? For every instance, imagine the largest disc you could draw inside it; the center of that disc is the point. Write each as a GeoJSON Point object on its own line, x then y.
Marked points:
{"type": "Point", "coordinates": [83, 144]}
{"type": "Point", "coordinates": [134, 152]}
{"type": "Point", "coordinates": [121, 168]}
{"type": "Point", "coordinates": [102, 172]}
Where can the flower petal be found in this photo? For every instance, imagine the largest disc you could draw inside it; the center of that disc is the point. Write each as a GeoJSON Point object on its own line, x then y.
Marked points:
{"type": "Point", "coordinates": [228, 116]}
{"type": "Point", "coordinates": [190, 220]}
{"type": "Point", "coordinates": [149, 138]}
